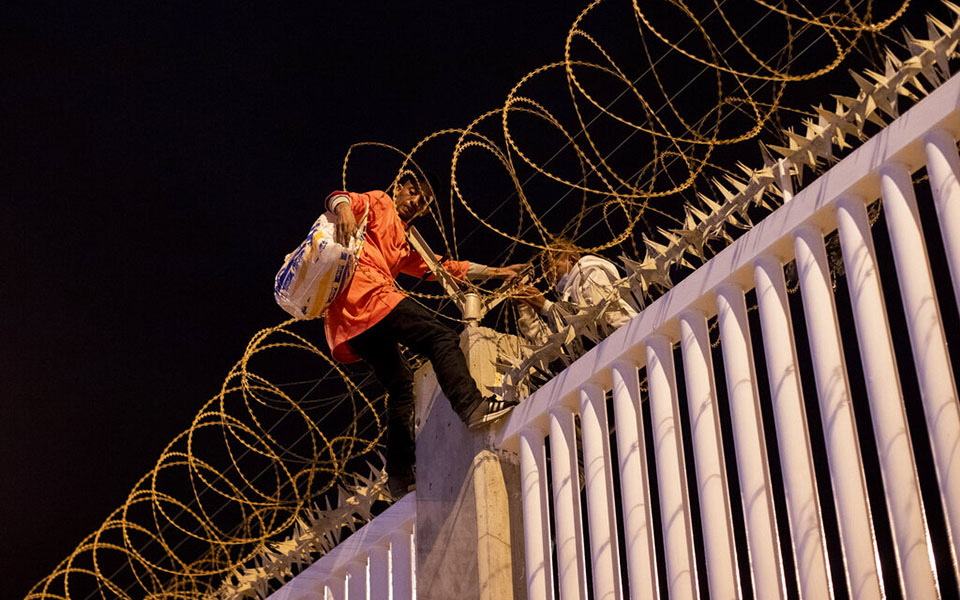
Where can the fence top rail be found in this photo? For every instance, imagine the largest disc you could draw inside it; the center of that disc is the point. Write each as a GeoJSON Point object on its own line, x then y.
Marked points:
{"type": "Point", "coordinates": [857, 174]}
{"type": "Point", "coordinates": [399, 517]}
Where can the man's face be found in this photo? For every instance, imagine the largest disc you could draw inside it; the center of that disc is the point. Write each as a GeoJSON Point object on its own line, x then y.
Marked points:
{"type": "Point", "coordinates": [558, 265]}
{"type": "Point", "coordinates": [410, 199]}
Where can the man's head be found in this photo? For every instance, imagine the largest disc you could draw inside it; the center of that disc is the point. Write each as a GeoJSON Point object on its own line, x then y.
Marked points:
{"type": "Point", "coordinates": [412, 195]}
{"type": "Point", "coordinates": [559, 259]}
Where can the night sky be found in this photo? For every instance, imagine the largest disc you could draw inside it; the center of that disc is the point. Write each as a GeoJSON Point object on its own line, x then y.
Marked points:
{"type": "Point", "coordinates": [159, 159]}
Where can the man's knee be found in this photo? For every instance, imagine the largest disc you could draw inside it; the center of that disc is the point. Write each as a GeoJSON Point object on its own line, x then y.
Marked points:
{"type": "Point", "coordinates": [447, 337]}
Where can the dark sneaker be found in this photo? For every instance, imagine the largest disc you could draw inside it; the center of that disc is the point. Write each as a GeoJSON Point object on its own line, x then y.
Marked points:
{"type": "Point", "coordinates": [487, 410]}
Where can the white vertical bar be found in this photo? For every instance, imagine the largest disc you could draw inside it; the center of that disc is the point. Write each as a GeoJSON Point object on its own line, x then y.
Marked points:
{"type": "Point", "coordinates": [756, 491]}
{"type": "Point", "coordinates": [904, 504]}
{"type": "Point", "coordinates": [723, 578]}
{"type": "Point", "coordinates": [937, 387]}
{"type": "Point", "coordinates": [836, 412]}
{"type": "Point", "coordinates": [401, 564]}
{"type": "Point", "coordinates": [357, 584]}
{"type": "Point", "coordinates": [943, 167]}
{"type": "Point", "coordinates": [336, 586]}
{"type": "Point", "coordinates": [793, 437]}
{"type": "Point", "coordinates": [601, 506]}
{"type": "Point", "coordinates": [571, 578]}
{"type": "Point", "coordinates": [671, 474]}
{"type": "Point", "coordinates": [634, 486]}
{"type": "Point", "coordinates": [413, 558]}
{"type": "Point", "coordinates": [536, 526]}
{"type": "Point", "coordinates": [784, 179]}
{"type": "Point", "coordinates": [380, 571]}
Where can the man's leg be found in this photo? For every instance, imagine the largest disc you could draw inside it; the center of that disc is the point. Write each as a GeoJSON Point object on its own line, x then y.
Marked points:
{"type": "Point", "coordinates": [393, 372]}
{"type": "Point", "coordinates": [418, 329]}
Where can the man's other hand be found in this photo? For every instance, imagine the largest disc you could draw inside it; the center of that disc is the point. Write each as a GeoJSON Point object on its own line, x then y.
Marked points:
{"type": "Point", "coordinates": [531, 295]}
{"type": "Point", "coordinates": [346, 224]}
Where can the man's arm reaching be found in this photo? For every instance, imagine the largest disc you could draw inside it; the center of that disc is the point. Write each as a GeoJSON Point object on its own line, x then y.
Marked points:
{"type": "Point", "coordinates": [478, 272]}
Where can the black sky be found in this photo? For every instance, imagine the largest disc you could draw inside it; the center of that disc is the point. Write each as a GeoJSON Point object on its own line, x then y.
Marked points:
{"type": "Point", "coordinates": [158, 160]}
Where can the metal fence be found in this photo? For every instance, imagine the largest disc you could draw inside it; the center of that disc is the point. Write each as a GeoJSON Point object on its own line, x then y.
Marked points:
{"type": "Point", "coordinates": [376, 561]}
{"type": "Point", "coordinates": [758, 478]}
{"type": "Point", "coordinates": [680, 493]}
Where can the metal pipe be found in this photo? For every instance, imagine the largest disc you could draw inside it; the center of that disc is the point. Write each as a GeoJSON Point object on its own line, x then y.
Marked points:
{"type": "Point", "coordinates": [836, 412]}
{"type": "Point", "coordinates": [601, 508]}
{"type": "Point", "coordinates": [634, 487]}
{"type": "Point", "coordinates": [536, 528]}
{"type": "Point", "coordinates": [671, 472]}
{"type": "Point", "coordinates": [723, 577]}
{"type": "Point", "coordinates": [793, 437]}
{"type": "Point", "coordinates": [756, 488]}
{"type": "Point", "coordinates": [571, 576]}
{"type": "Point", "coordinates": [930, 358]}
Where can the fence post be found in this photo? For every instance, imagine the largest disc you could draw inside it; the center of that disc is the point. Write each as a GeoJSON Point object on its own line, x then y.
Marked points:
{"type": "Point", "coordinates": [934, 372]}
{"type": "Point", "coordinates": [536, 525]}
{"type": "Point", "coordinates": [943, 167]}
{"type": "Point", "coordinates": [793, 438]}
{"type": "Point", "coordinates": [721, 555]}
{"type": "Point", "coordinates": [571, 572]}
{"type": "Point", "coordinates": [634, 485]}
{"type": "Point", "coordinates": [836, 412]}
{"type": "Point", "coordinates": [904, 504]}
{"type": "Point", "coordinates": [401, 564]}
{"type": "Point", "coordinates": [380, 570]}
{"type": "Point", "coordinates": [671, 472]}
{"type": "Point", "coordinates": [756, 490]}
{"type": "Point", "coordinates": [357, 584]}
{"type": "Point", "coordinates": [601, 507]}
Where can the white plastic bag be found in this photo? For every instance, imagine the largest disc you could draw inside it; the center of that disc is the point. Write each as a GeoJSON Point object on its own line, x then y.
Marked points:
{"type": "Point", "coordinates": [318, 270]}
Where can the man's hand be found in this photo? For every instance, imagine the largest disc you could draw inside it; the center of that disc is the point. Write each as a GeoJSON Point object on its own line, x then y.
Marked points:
{"type": "Point", "coordinates": [510, 271]}
{"type": "Point", "coordinates": [346, 224]}
{"type": "Point", "coordinates": [531, 295]}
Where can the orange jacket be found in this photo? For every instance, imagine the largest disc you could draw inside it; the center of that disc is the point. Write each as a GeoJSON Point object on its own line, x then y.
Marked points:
{"type": "Point", "coordinates": [373, 291]}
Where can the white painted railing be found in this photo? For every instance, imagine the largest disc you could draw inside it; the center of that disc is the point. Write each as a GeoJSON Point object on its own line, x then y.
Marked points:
{"type": "Point", "coordinates": [543, 429]}
{"type": "Point", "coordinates": [377, 562]}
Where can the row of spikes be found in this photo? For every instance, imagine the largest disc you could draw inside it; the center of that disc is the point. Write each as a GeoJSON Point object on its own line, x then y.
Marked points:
{"type": "Point", "coordinates": [874, 101]}
{"type": "Point", "coordinates": [316, 532]}
{"type": "Point", "coordinates": [929, 59]}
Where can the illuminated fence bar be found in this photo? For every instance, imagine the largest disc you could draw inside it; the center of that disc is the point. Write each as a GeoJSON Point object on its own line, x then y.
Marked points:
{"type": "Point", "coordinates": [377, 561]}
{"type": "Point", "coordinates": [674, 333]}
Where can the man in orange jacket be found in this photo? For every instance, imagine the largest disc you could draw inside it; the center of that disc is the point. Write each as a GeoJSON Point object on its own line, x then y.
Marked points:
{"type": "Point", "coordinates": [370, 318]}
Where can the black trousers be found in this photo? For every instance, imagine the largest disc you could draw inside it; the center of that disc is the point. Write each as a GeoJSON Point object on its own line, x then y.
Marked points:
{"type": "Point", "coordinates": [419, 330]}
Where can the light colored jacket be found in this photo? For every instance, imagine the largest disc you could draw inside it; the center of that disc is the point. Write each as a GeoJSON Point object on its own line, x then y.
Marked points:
{"type": "Point", "coordinates": [590, 283]}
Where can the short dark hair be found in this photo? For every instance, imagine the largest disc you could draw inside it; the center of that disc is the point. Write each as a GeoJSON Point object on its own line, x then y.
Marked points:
{"type": "Point", "coordinates": [420, 178]}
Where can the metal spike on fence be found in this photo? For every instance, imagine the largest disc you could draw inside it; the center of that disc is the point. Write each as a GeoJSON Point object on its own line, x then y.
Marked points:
{"type": "Point", "coordinates": [765, 154]}
{"type": "Point", "coordinates": [738, 184]}
{"type": "Point", "coordinates": [870, 112]}
{"type": "Point", "coordinates": [866, 88]}
{"type": "Point", "coordinates": [952, 6]}
{"type": "Point", "coordinates": [653, 247]}
{"type": "Point", "coordinates": [710, 202]}
{"type": "Point", "coordinates": [914, 45]}
{"type": "Point", "coordinates": [646, 273]}
{"type": "Point", "coordinates": [934, 24]}
{"type": "Point", "coordinates": [727, 194]}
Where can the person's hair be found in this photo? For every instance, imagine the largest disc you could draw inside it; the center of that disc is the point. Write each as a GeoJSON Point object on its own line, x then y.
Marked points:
{"type": "Point", "coordinates": [559, 246]}
{"type": "Point", "coordinates": [428, 178]}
